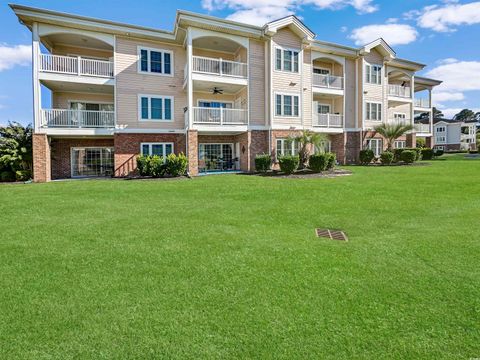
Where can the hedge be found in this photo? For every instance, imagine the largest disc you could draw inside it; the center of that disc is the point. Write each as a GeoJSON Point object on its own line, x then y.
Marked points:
{"type": "Point", "coordinates": [289, 163]}
{"type": "Point", "coordinates": [263, 162]}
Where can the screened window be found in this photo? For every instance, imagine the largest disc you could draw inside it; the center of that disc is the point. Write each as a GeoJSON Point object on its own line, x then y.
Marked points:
{"type": "Point", "coordinates": [286, 105]}
{"type": "Point", "coordinates": [373, 111]}
{"type": "Point", "coordinates": [399, 144]}
{"type": "Point", "coordinates": [160, 149]}
{"type": "Point", "coordinates": [376, 145]}
{"type": "Point", "coordinates": [286, 60]}
{"type": "Point", "coordinates": [286, 147]}
{"type": "Point", "coordinates": [373, 74]}
{"type": "Point", "coordinates": [321, 71]}
{"type": "Point", "coordinates": [155, 61]}
{"type": "Point", "coordinates": [156, 108]}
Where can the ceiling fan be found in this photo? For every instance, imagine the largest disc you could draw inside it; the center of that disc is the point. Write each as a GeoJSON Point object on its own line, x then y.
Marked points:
{"type": "Point", "coordinates": [216, 90]}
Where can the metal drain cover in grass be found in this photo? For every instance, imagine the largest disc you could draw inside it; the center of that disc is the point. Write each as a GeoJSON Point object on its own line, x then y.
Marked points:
{"type": "Point", "coordinates": [331, 234]}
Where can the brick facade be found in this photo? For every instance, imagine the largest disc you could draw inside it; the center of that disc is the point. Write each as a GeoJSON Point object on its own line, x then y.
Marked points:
{"type": "Point", "coordinates": [41, 158]}
{"type": "Point", "coordinates": [258, 145]}
{"type": "Point", "coordinates": [192, 151]}
{"type": "Point", "coordinates": [337, 142]}
{"type": "Point", "coordinates": [353, 145]}
{"type": "Point", "coordinates": [61, 153]}
{"type": "Point", "coordinates": [411, 140]}
{"type": "Point", "coordinates": [127, 148]}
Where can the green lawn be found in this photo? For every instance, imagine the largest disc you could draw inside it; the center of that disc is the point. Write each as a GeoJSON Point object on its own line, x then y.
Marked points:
{"type": "Point", "coordinates": [229, 267]}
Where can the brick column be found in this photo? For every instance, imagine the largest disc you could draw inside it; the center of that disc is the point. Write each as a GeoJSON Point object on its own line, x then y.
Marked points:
{"type": "Point", "coordinates": [338, 146]}
{"type": "Point", "coordinates": [411, 140]}
{"type": "Point", "coordinates": [429, 142]}
{"type": "Point", "coordinates": [258, 145]}
{"type": "Point", "coordinates": [353, 145]}
{"type": "Point", "coordinates": [244, 139]}
{"type": "Point", "coordinates": [192, 152]}
{"type": "Point", "coordinates": [42, 159]}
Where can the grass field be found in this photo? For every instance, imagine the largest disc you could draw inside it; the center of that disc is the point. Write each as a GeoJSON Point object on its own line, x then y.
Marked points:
{"type": "Point", "coordinates": [228, 267]}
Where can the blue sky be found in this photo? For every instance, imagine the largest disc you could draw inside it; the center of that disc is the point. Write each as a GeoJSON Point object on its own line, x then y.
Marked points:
{"type": "Point", "coordinates": [443, 34]}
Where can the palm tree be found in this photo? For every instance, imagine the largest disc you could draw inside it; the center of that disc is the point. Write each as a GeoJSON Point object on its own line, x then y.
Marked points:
{"type": "Point", "coordinates": [306, 141]}
{"type": "Point", "coordinates": [392, 132]}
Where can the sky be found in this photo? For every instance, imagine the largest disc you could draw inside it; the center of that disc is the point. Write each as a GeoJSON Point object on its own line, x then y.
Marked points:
{"type": "Point", "coordinates": [444, 34]}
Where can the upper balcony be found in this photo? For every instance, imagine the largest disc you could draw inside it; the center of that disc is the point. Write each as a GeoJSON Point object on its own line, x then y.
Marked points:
{"type": "Point", "coordinates": [328, 76]}
{"type": "Point", "coordinates": [75, 65]}
{"type": "Point", "coordinates": [399, 87]}
{"type": "Point", "coordinates": [399, 91]}
{"type": "Point", "coordinates": [422, 103]}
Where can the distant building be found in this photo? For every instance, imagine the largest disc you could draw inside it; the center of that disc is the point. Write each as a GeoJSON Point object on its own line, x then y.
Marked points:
{"type": "Point", "coordinates": [453, 135]}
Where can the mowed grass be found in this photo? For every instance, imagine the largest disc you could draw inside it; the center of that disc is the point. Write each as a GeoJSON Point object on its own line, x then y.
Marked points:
{"type": "Point", "coordinates": [229, 267]}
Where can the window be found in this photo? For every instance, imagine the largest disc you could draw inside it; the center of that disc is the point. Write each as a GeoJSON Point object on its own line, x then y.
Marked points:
{"type": "Point", "coordinates": [440, 129]}
{"type": "Point", "coordinates": [374, 111]}
{"type": "Point", "coordinates": [286, 105]}
{"type": "Point", "coordinates": [214, 104]}
{"type": "Point", "coordinates": [321, 71]}
{"type": "Point", "coordinates": [376, 145]}
{"type": "Point", "coordinates": [286, 60]}
{"type": "Point", "coordinates": [400, 116]}
{"type": "Point", "coordinates": [286, 147]}
{"type": "Point", "coordinates": [440, 148]}
{"type": "Point", "coordinates": [399, 144]}
{"type": "Point", "coordinates": [159, 108]}
{"type": "Point", "coordinates": [323, 147]}
{"type": "Point", "coordinates": [160, 149]}
{"type": "Point", "coordinates": [323, 108]}
{"type": "Point", "coordinates": [373, 74]}
{"type": "Point", "coordinates": [440, 139]}
{"type": "Point", "coordinates": [155, 61]}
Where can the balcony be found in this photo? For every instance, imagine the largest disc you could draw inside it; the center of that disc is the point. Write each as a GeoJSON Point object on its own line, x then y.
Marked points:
{"type": "Point", "coordinates": [219, 67]}
{"type": "Point", "coordinates": [422, 128]}
{"type": "Point", "coordinates": [399, 91]}
{"type": "Point", "coordinates": [75, 65]}
{"type": "Point", "coordinates": [84, 119]}
{"type": "Point", "coordinates": [328, 120]}
{"type": "Point", "coordinates": [422, 103]}
{"type": "Point", "coordinates": [328, 81]}
{"type": "Point", "coordinates": [219, 116]}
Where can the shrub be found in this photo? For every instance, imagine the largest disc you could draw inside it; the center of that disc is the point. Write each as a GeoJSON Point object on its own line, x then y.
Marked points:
{"type": "Point", "coordinates": [23, 175]}
{"type": "Point", "coordinates": [386, 157]}
{"type": "Point", "coordinates": [7, 176]}
{"type": "Point", "coordinates": [421, 142]}
{"type": "Point", "coordinates": [263, 162]}
{"type": "Point", "coordinates": [156, 166]}
{"type": "Point", "coordinates": [418, 153]}
{"type": "Point", "coordinates": [366, 156]}
{"type": "Point", "coordinates": [142, 165]}
{"type": "Point", "coordinates": [438, 152]}
{"type": "Point", "coordinates": [289, 163]}
{"type": "Point", "coordinates": [176, 165]}
{"type": "Point", "coordinates": [427, 154]}
{"type": "Point", "coordinates": [331, 160]}
{"type": "Point", "coordinates": [318, 162]}
{"type": "Point", "coordinates": [408, 156]}
{"type": "Point", "coordinates": [397, 154]}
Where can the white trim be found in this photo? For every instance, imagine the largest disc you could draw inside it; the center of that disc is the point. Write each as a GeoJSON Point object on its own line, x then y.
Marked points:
{"type": "Point", "coordinates": [155, 96]}
{"type": "Point", "coordinates": [293, 94]}
{"type": "Point", "coordinates": [380, 74]}
{"type": "Point", "coordinates": [73, 148]}
{"type": "Point", "coordinates": [282, 48]}
{"type": "Point", "coordinates": [156, 143]}
{"type": "Point", "coordinates": [128, 130]}
{"type": "Point", "coordinates": [365, 110]}
{"type": "Point", "coordinates": [323, 104]}
{"type": "Point", "coordinates": [149, 72]}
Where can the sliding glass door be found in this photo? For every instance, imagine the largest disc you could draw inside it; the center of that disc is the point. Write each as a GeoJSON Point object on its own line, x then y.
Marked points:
{"type": "Point", "coordinates": [92, 162]}
{"type": "Point", "coordinates": [216, 157]}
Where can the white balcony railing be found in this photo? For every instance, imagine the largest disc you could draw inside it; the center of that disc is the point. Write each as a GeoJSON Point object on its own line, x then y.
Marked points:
{"type": "Point", "coordinates": [206, 65]}
{"type": "Point", "coordinates": [399, 91]}
{"type": "Point", "coordinates": [400, 121]}
{"type": "Point", "coordinates": [75, 65]}
{"type": "Point", "coordinates": [328, 120]}
{"type": "Point", "coordinates": [422, 128]}
{"type": "Point", "coordinates": [63, 118]}
{"type": "Point", "coordinates": [328, 81]}
{"type": "Point", "coordinates": [423, 103]}
{"type": "Point", "coordinates": [219, 116]}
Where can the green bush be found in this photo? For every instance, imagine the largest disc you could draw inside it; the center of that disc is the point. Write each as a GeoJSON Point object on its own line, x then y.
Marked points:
{"type": "Point", "coordinates": [289, 163]}
{"type": "Point", "coordinates": [263, 162]}
{"type": "Point", "coordinates": [397, 154]}
{"type": "Point", "coordinates": [438, 152]}
{"type": "Point", "coordinates": [7, 176]}
{"type": "Point", "coordinates": [386, 157]}
{"type": "Point", "coordinates": [156, 166]}
{"type": "Point", "coordinates": [408, 156]}
{"type": "Point", "coordinates": [176, 165]}
{"type": "Point", "coordinates": [331, 160]}
{"type": "Point", "coordinates": [23, 175]}
{"type": "Point", "coordinates": [418, 153]}
{"type": "Point", "coordinates": [421, 142]}
{"type": "Point", "coordinates": [142, 165]}
{"type": "Point", "coordinates": [318, 162]}
{"type": "Point", "coordinates": [427, 154]}
{"type": "Point", "coordinates": [366, 156]}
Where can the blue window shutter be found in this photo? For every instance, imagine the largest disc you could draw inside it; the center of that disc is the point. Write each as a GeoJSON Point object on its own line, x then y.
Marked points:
{"type": "Point", "coordinates": [144, 60]}
{"type": "Point", "coordinates": [144, 108]}
{"type": "Point", "coordinates": [167, 63]}
{"type": "Point", "coordinates": [168, 109]}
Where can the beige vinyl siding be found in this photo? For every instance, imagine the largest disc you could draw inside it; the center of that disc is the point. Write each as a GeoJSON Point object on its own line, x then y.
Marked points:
{"type": "Point", "coordinates": [130, 83]}
{"type": "Point", "coordinates": [284, 81]}
{"type": "Point", "coordinates": [349, 93]}
{"type": "Point", "coordinates": [335, 68]}
{"type": "Point", "coordinates": [213, 54]}
{"type": "Point", "coordinates": [336, 104]}
{"type": "Point", "coordinates": [307, 84]}
{"type": "Point", "coordinates": [60, 100]}
{"type": "Point", "coordinates": [210, 97]}
{"type": "Point", "coordinates": [79, 51]}
{"type": "Point", "coordinates": [375, 92]}
{"type": "Point", "coordinates": [256, 82]}
{"type": "Point", "coordinates": [404, 109]}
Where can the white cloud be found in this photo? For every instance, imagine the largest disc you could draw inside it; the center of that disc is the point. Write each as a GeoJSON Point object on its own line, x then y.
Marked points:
{"type": "Point", "coordinates": [343, 29]}
{"type": "Point", "coordinates": [447, 61]}
{"type": "Point", "coordinates": [259, 12]}
{"type": "Point", "coordinates": [451, 112]}
{"type": "Point", "coordinates": [393, 34]}
{"type": "Point", "coordinates": [442, 96]}
{"type": "Point", "coordinates": [11, 56]}
{"type": "Point", "coordinates": [457, 75]}
{"type": "Point", "coordinates": [445, 18]}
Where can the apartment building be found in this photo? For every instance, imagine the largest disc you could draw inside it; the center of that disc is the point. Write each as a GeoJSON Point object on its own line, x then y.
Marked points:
{"type": "Point", "coordinates": [453, 135]}
{"type": "Point", "coordinates": [219, 91]}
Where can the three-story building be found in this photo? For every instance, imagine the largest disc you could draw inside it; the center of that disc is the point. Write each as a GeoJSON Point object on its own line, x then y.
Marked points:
{"type": "Point", "coordinates": [219, 91]}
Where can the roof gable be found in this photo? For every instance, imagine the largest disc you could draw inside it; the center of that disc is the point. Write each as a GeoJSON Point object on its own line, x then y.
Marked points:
{"type": "Point", "coordinates": [294, 23]}
{"type": "Point", "coordinates": [381, 46]}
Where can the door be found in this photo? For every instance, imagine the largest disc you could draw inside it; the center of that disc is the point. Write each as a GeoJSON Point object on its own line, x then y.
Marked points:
{"type": "Point", "coordinates": [216, 157]}
{"type": "Point", "coordinates": [92, 162]}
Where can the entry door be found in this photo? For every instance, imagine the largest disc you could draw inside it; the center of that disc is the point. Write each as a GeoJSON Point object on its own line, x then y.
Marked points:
{"type": "Point", "coordinates": [216, 156]}
{"type": "Point", "coordinates": [91, 161]}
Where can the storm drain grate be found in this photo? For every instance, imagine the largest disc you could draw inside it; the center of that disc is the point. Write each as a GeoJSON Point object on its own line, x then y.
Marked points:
{"type": "Point", "coordinates": [331, 234]}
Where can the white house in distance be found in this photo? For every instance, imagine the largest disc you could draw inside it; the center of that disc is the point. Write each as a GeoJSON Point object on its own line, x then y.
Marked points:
{"type": "Point", "coordinates": [452, 135]}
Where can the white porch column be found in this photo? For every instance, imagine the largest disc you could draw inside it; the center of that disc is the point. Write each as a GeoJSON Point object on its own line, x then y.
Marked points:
{"type": "Point", "coordinates": [431, 110]}
{"type": "Point", "coordinates": [189, 77]}
{"type": "Point", "coordinates": [37, 96]}
{"type": "Point", "coordinates": [412, 107]}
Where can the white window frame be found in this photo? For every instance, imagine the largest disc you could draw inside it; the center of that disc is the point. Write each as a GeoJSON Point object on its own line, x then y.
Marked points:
{"type": "Point", "coordinates": [72, 151]}
{"type": "Point", "coordinates": [327, 105]}
{"type": "Point", "coordinates": [150, 96]}
{"type": "Point", "coordinates": [148, 72]}
{"type": "Point", "coordinates": [441, 139]}
{"type": "Point", "coordinates": [282, 62]}
{"type": "Point", "coordinates": [441, 129]}
{"type": "Point", "coordinates": [164, 145]}
{"type": "Point", "coordinates": [367, 114]}
{"type": "Point", "coordinates": [402, 143]}
{"type": "Point", "coordinates": [283, 141]}
{"type": "Point", "coordinates": [368, 74]}
{"type": "Point", "coordinates": [282, 115]}
{"type": "Point", "coordinates": [378, 149]}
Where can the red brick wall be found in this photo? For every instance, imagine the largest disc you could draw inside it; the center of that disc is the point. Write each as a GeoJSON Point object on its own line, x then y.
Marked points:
{"type": "Point", "coordinates": [61, 153]}
{"type": "Point", "coordinates": [127, 148]}
{"type": "Point", "coordinates": [353, 145]}
{"type": "Point", "coordinates": [258, 145]}
{"type": "Point", "coordinates": [41, 158]}
{"type": "Point", "coordinates": [338, 146]}
{"type": "Point", "coordinates": [192, 141]}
